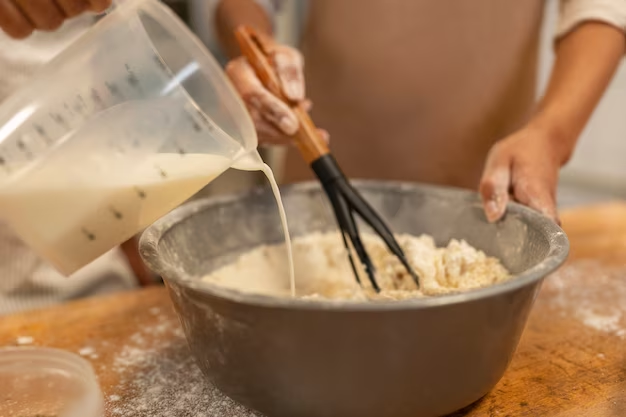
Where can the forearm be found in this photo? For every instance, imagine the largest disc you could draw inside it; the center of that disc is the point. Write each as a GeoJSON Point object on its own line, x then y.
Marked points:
{"type": "Point", "coordinates": [231, 14]}
{"type": "Point", "coordinates": [586, 60]}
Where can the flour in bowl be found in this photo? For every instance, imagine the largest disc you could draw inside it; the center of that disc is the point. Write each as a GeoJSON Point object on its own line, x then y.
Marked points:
{"type": "Point", "coordinates": [324, 272]}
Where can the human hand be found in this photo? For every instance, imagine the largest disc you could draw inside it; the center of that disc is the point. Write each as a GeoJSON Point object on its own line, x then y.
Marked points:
{"type": "Point", "coordinates": [20, 18]}
{"type": "Point", "coordinates": [523, 167]}
{"type": "Point", "coordinates": [273, 118]}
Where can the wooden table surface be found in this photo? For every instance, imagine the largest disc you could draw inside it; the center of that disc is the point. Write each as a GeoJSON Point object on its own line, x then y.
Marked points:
{"type": "Point", "coordinates": [571, 360]}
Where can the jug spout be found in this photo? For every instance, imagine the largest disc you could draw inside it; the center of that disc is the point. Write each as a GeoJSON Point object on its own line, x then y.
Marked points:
{"type": "Point", "coordinates": [249, 161]}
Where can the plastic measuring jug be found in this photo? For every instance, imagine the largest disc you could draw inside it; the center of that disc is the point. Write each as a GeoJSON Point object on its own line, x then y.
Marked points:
{"type": "Point", "coordinates": [127, 123]}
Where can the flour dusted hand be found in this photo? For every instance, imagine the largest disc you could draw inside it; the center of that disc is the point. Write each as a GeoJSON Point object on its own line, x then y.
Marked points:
{"type": "Point", "coordinates": [273, 119]}
{"type": "Point", "coordinates": [20, 18]}
{"type": "Point", "coordinates": [524, 168]}
{"type": "Point", "coordinates": [323, 271]}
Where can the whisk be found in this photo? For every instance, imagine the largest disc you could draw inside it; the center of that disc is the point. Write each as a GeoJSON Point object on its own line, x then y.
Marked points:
{"type": "Point", "coordinates": [344, 198]}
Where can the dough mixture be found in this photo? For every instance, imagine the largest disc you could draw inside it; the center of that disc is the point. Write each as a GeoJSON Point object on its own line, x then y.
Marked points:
{"type": "Point", "coordinates": [324, 272]}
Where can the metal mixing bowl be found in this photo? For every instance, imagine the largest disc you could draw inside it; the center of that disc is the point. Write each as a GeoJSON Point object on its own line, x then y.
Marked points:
{"type": "Point", "coordinates": [290, 357]}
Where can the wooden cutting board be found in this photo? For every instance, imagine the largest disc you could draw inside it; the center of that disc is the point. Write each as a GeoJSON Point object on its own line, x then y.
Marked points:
{"type": "Point", "coordinates": [571, 360]}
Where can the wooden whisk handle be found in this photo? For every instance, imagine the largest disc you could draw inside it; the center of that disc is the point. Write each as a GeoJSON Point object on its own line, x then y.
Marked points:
{"type": "Point", "coordinates": [256, 49]}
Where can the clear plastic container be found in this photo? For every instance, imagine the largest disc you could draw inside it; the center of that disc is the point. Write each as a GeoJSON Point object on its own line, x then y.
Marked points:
{"type": "Point", "coordinates": [123, 126]}
{"type": "Point", "coordinates": [37, 382]}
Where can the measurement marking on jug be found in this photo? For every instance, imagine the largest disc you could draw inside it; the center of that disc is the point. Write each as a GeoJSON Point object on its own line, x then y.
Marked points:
{"type": "Point", "coordinates": [89, 235]}
{"type": "Point", "coordinates": [22, 147]}
{"type": "Point", "coordinates": [96, 98]}
{"type": "Point", "coordinates": [114, 89]}
{"type": "Point", "coordinates": [80, 106]}
{"type": "Point", "coordinates": [141, 193]}
{"type": "Point", "coordinates": [131, 78]}
{"type": "Point", "coordinates": [162, 173]}
{"type": "Point", "coordinates": [3, 164]}
{"type": "Point", "coordinates": [160, 62]}
{"type": "Point", "coordinates": [203, 121]}
{"type": "Point", "coordinates": [68, 110]}
{"type": "Point", "coordinates": [42, 133]}
{"type": "Point", "coordinates": [116, 213]}
{"type": "Point", "coordinates": [59, 119]}
{"type": "Point", "coordinates": [196, 126]}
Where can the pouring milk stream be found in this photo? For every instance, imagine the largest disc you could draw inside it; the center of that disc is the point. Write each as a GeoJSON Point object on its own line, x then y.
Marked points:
{"type": "Point", "coordinates": [125, 125]}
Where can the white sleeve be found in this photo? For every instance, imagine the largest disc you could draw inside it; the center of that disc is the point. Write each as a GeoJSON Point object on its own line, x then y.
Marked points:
{"type": "Point", "coordinates": [575, 12]}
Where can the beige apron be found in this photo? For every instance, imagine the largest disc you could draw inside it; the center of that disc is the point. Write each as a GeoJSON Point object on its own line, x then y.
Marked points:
{"type": "Point", "coordinates": [418, 90]}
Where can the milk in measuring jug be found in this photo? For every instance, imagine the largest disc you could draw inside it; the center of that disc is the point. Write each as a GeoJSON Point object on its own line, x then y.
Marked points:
{"type": "Point", "coordinates": [72, 223]}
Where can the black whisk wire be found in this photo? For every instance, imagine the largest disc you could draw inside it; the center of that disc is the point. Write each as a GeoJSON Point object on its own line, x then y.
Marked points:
{"type": "Point", "coordinates": [346, 201]}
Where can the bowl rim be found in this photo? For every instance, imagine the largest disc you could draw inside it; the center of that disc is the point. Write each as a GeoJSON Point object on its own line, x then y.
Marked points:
{"type": "Point", "coordinates": [150, 239]}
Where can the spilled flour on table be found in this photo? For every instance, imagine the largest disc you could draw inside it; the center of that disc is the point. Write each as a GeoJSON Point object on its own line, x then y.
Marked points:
{"type": "Point", "coordinates": [24, 340]}
{"type": "Point", "coordinates": [158, 378]}
{"type": "Point", "coordinates": [583, 289]}
{"type": "Point", "coordinates": [88, 352]}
